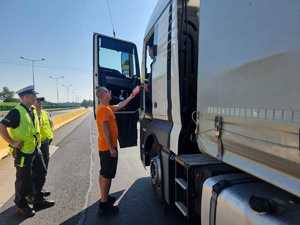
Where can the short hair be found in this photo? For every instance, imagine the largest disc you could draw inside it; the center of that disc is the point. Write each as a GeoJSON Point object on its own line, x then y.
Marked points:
{"type": "Point", "coordinates": [100, 91]}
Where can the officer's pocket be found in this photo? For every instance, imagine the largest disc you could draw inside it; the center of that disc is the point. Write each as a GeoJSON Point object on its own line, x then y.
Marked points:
{"type": "Point", "coordinates": [22, 160]}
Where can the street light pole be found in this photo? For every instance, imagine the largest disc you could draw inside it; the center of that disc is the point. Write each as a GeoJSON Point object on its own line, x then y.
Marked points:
{"type": "Point", "coordinates": [73, 96]}
{"type": "Point", "coordinates": [56, 78]}
{"type": "Point", "coordinates": [32, 66]}
{"type": "Point", "coordinates": [68, 91]}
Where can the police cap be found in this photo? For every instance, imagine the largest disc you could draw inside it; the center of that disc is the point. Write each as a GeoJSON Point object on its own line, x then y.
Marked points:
{"type": "Point", "coordinates": [29, 90]}
{"type": "Point", "coordinates": [40, 99]}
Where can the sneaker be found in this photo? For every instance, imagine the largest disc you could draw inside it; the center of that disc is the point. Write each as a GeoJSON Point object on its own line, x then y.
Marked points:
{"type": "Point", "coordinates": [43, 204]}
{"type": "Point", "coordinates": [111, 199]}
{"type": "Point", "coordinates": [106, 209]}
{"type": "Point", "coordinates": [25, 211]}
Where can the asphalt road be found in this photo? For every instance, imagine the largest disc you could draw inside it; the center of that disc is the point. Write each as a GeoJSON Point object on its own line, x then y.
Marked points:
{"type": "Point", "coordinates": [73, 181]}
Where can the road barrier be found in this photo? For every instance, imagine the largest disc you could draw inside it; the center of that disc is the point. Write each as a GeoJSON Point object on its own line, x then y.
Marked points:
{"type": "Point", "coordinates": [58, 121]}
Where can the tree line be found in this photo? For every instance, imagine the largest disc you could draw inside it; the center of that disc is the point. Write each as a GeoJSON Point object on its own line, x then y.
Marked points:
{"type": "Point", "coordinates": [8, 96]}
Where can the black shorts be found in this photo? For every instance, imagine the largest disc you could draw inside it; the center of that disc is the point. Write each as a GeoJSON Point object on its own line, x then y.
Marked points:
{"type": "Point", "coordinates": [108, 165]}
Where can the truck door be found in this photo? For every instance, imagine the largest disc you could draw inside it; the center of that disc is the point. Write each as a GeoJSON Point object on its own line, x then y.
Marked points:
{"type": "Point", "coordinates": [116, 67]}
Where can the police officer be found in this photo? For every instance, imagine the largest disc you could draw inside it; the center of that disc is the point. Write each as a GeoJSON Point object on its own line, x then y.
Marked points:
{"type": "Point", "coordinates": [46, 133]}
{"type": "Point", "coordinates": [20, 128]}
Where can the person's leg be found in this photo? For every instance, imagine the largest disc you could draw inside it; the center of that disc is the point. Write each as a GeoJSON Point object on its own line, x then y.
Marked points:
{"type": "Point", "coordinates": [45, 152]}
{"type": "Point", "coordinates": [22, 186]}
{"type": "Point", "coordinates": [104, 185]}
{"type": "Point", "coordinates": [23, 183]}
{"type": "Point", "coordinates": [39, 173]}
{"type": "Point", "coordinates": [106, 203]}
{"type": "Point", "coordinates": [38, 176]}
{"type": "Point", "coordinates": [46, 155]}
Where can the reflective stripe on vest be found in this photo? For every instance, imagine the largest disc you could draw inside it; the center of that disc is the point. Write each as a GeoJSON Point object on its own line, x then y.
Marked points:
{"type": "Point", "coordinates": [26, 132]}
{"type": "Point", "coordinates": [45, 126]}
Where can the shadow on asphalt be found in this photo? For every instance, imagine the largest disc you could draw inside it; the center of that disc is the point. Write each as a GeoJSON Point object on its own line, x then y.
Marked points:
{"type": "Point", "coordinates": [11, 217]}
{"type": "Point", "coordinates": [138, 206]}
{"type": "Point", "coordinates": [83, 215]}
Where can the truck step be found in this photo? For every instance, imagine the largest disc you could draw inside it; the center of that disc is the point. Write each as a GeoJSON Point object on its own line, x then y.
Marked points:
{"type": "Point", "coordinates": [182, 183]}
{"type": "Point", "coordinates": [183, 209]}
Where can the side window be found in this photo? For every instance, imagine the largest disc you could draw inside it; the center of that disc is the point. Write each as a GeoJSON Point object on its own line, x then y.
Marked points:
{"type": "Point", "coordinates": [149, 61]}
{"type": "Point", "coordinates": [151, 50]}
{"type": "Point", "coordinates": [110, 59]}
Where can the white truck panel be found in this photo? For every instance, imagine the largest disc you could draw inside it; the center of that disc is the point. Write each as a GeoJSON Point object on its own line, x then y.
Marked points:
{"type": "Point", "coordinates": [248, 73]}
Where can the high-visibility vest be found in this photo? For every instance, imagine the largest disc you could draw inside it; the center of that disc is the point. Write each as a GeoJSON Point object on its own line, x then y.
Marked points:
{"type": "Point", "coordinates": [27, 132]}
{"type": "Point", "coordinates": [45, 126]}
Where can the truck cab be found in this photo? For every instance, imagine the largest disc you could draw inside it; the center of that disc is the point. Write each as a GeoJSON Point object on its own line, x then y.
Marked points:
{"type": "Point", "coordinates": [168, 82]}
{"type": "Point", "coordinates": [218, 108]}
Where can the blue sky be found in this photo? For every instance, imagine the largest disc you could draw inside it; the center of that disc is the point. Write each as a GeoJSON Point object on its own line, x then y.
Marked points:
{"type": "Point", "coordinates": [61, 31]}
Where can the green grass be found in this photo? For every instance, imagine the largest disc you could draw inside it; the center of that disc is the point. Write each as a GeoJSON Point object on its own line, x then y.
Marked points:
{"type": "Point", "coordinates": [5, 106]}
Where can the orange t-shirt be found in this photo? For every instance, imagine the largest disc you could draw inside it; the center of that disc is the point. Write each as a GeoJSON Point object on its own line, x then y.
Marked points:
{"type": "Point", "coordinates": [105, 113]}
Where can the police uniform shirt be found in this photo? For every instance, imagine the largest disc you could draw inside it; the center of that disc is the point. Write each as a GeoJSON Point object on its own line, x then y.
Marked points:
{"type": "Point", "coordinates": [12, 119]}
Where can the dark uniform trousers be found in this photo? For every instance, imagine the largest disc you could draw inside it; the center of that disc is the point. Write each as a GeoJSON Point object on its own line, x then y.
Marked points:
{"type": "Point", "coordinates": [39, 172]}
{"type": "Point", "coordinates": [30, 176]}
{"type": "Point", "coordinates": [45, 151]}
{"type": "Point", "coordinates": [23, 183]}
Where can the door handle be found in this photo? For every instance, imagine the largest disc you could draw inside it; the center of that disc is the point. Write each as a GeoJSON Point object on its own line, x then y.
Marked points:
{"type": "Point", "coordinates": [155, 105]}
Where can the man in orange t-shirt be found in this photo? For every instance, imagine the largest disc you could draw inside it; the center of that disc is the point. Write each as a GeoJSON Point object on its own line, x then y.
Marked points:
{"type": "Point", "coordinates": [107, 145]}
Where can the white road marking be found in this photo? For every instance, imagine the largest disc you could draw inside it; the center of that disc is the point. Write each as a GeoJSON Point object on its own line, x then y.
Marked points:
{"type": "Point", "coordinates": [53, 149]}
{"type": "Point", "coordinates": [85, 207]}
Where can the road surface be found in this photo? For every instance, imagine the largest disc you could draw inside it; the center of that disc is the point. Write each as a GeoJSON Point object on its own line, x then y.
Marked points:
{"type": "Point", "coordinates": [72, 179]}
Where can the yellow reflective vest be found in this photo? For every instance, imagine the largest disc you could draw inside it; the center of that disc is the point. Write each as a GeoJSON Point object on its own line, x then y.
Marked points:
{"type": "Point", "coordinates": [27, 132]}
{"type": "Point", "coordinates": [45, 126]}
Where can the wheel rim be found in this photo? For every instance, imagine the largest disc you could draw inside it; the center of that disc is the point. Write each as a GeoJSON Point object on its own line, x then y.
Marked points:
{"type": "Point", "coordinates": [155, 170]}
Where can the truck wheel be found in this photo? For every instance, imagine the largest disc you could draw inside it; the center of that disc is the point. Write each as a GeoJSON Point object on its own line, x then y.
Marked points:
{"type": "Point", "coordinates": [156, 176]}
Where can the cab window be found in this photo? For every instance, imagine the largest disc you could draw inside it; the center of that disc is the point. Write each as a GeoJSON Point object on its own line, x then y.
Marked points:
{"type": "Point", "coordinates": [119, 60]}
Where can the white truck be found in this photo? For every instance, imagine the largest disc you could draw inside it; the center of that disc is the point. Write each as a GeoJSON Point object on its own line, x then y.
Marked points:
{"type": "Point", "coordinates": [219, 110]}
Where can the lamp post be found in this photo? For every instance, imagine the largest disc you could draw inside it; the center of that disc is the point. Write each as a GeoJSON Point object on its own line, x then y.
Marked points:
{"type": "Point", "coordinates": [68, 91]}
{"type": "Point", "coordinates": [32, 66]}
{"type": "Point", "coordinates": [56, 78]}
{"type": "Point", "coordinates": [73, 96]}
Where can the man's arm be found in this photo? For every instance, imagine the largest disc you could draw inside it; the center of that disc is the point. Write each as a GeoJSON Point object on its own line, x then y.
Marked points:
{"type": "Point", "coordinates": [4, 134]}
{"type": "Point", "coordinates": [12, 120]}
{"type": "Point", "coordinates": [122, 104]}
{"type": "Point", "coordinates": [108, 139]}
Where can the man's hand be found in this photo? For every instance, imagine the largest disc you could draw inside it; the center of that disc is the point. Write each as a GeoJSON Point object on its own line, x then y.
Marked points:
{"type": "Point", "coordinates": [17, 144]}
{"type": "Point", "coordinates": [136, 91]}
{"type": "Point", "coordinates": [113, 152]}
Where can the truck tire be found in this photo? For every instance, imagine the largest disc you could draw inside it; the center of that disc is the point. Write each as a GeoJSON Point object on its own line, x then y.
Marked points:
{"type": "Point", "coordinates": [156, 176]}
